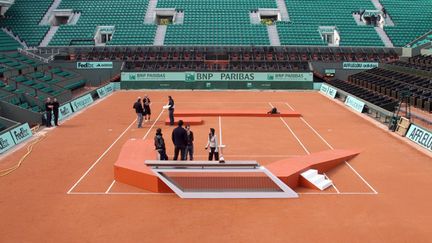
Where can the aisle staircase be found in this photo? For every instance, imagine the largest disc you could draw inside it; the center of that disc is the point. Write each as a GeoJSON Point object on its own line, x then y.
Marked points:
{"type": "Point", "coordinates": [273, 35]}
{"type": "Point", "coordinates": [48, 14]}
{"type": "Point", "coordinates": [384, 37]}
{"type": "Point", "coordinates": [281, 5]}
{"type": "Point", "coordinates": [160, 35]}
{"type": "Point", "coordinates": [149, 17]}
{"type": "Point", "coordinates": [48, 37]}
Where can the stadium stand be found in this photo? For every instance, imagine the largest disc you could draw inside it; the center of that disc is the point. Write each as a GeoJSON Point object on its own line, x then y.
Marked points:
{"type": "Point", "coordinates": [27, 83]}
{"type": "Point", "coordinates": [218, 22]}
{"type": "Point", "coordinates": [307, 16]}
{"type": "Point", "coordinates": [126, 17]}
{"type": "Point", "coordinates": [7, 43]}
{"type": "Point", "coordinates": [382, 86]}
{"type": "Point", "coordinates": [411, 19]}
{"type": "Point", "coordinates": [211, 22]}
{"type": "Point", "coordinates": [376, 98]}
{"type": "Point", "coordinates": [426, 40]}
{"type": "Point", "coordinates": [418, 62]}
{"type": "Point", "coordinates": [215, 35]}
{"type": "Point", "coordinates": [23, 19]}
{"type": "Point", "coordinates": [232, 54]}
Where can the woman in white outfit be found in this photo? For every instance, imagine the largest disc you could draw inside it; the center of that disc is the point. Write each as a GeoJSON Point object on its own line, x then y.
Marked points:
{"type": "Point", "coordinates": [212, 143]}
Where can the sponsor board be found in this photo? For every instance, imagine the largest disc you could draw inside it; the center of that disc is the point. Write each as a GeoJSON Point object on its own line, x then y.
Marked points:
{"type": "Point", "coordinates": [329, 91]}
{"type": "Point", "coordinates": [324, 88]}
{"type": "Point", "coordinates": [6, 142]}
{"type": "Point", "coordinates": [65, 111]}
{"type": "Point", "coordinates": [21, 133]}
{"type": "Point", "coordinates": [213, 76]}
{"type": "Point", "coordinates": [420, 136]}
{"type": "Point", "coordinates": [116, 85]}
{"type": "Point", "coordinates": [106, 90]}
{"type": "Point", "coordinates": [81, 102]}
{"type": "Point", "coordinates": [359, 65]}
{"type": "Point", "coordinates": [94, 65]}
{"type": "Point", "coordinates": [354, 103]}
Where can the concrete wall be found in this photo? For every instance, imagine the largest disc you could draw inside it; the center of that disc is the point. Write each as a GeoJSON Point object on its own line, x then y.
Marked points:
{"type": "Point", "coordinates": [95, 77]}
{"type": "Point", "coordinates": [337, 66]}
{"type": "Point", "coordinates": [18, 114]}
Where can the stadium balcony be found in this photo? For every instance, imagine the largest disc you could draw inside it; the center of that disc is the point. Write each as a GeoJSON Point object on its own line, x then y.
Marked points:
{"type": "Point", "coordinates": [393, 81]}
{"type": "Point", "coordinates": [244, 54]}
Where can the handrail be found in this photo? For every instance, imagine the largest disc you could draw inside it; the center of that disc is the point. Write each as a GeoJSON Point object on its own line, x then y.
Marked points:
{"type": "Point", "coordinates": [31, 54]}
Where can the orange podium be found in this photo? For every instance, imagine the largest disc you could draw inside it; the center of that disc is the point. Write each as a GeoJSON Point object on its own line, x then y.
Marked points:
{"type": "Point", "coordinates": [130, 167]}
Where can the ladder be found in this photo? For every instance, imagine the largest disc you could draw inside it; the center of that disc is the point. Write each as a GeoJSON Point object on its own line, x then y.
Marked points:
{"type": "Point", "coordinates": [403, 99]}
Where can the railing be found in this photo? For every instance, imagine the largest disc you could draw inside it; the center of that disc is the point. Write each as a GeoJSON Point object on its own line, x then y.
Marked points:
{"type": "Point", "coordinates": [40, 58]}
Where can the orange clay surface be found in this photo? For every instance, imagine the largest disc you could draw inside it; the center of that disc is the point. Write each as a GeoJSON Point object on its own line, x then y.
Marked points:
{"type": "Point", "coordinates": [78, 158]}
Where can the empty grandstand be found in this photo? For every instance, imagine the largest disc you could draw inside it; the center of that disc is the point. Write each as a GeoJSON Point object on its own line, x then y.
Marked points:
{"type": "Point", "coordinates": [287, 82]}
{"type": "Point", "coordinates": [263, 22]}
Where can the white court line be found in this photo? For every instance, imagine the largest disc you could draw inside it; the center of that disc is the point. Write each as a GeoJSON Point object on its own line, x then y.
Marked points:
{"type": "Point", "coordinates": [145, 136]}
{"type": "Point", "coordinates": [220, 131]}
{"type": "Point", "coordinates": [173, 194]}
{"type": "Point", "coordinates": [121, 193]}
{"type": "Point", "coordinates": [292, 132]}
{"type": "Point", "coordinates": [147, 133]}
{"type": "Point", "coordinates": [100, 158]}
{"type": "Point", "coordinates": [361, 178]}
{"type": "Point", "coordinates": [331, 147]}
{"type": "Point", "coordinates": [109, 188]}
{"type": "Point", "coordinates": [335, 193]}
{"type": "Point", "coordinates": [301, 142]}
{"type": "Point", "coordinates": [333, 185]}
{"type": "Point", "coordinates": [289, 128]}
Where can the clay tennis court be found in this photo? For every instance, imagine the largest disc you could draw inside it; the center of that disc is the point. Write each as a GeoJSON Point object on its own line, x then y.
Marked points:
{"type": "Point", "coordinates": [65, 192]}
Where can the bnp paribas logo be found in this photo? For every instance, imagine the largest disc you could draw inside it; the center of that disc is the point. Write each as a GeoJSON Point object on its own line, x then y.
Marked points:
{"type": "Point", "coordinates": [132, 76]}
{"type": "Point", "coordinates": [190, 76]}
{"type": "Point", "coordinates": [270, 77]}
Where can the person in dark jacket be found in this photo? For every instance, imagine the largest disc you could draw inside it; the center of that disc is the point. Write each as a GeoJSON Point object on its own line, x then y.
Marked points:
{"type": "Point", "coordinates": [179, 138]}
{"type": "Point", "coordinates": [48, 111]}
{"type": "Point", "coordinates": [139, 111]}
{"type": "Point", "coordinates": [160, 145]}
{"type": "Point", "coordinates": [171, 110]}
{"type": "Point", "coordinates": [56, 106]}
{"type": "Point", "coordinates": [189, 146]}
{"type": "Point", "coordinates": [147, 111]}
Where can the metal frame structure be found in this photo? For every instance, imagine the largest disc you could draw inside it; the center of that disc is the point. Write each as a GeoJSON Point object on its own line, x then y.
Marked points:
{"type": "Point", "coordinates": [162, 167]}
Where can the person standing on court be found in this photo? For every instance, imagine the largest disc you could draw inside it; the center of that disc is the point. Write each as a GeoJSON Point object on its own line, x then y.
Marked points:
{"type": "Point", "coordinates": [212, 143]}
{"type": "Point", "coordinates": [146, 105]}
{"type": "Point", "coordinates": [190, 139]}
{"type": "Point", "coordinates": [171, 110]}
{"type": "Point", "coordinates": [139, 111]}
{"type": "Point", "coordinates": [48, 111]}
{"type": "Point", "coordinates": [56, 106]}
{"type": "Point", "coordinates": [179, 138]}
{"type": "Point", "coordinates": [160, 145]}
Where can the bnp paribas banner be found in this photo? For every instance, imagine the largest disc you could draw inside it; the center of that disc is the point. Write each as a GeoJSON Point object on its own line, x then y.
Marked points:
{"type": "Point", "coordinates": [213, 76]}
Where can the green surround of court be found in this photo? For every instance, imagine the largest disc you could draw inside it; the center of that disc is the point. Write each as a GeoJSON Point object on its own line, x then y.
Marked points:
{"type": "Point", "coordinates": [219, 22]}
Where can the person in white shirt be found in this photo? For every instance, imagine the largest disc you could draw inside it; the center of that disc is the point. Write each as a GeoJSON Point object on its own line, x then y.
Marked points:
{"type": "Point", "coordinates": [213, 145]}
